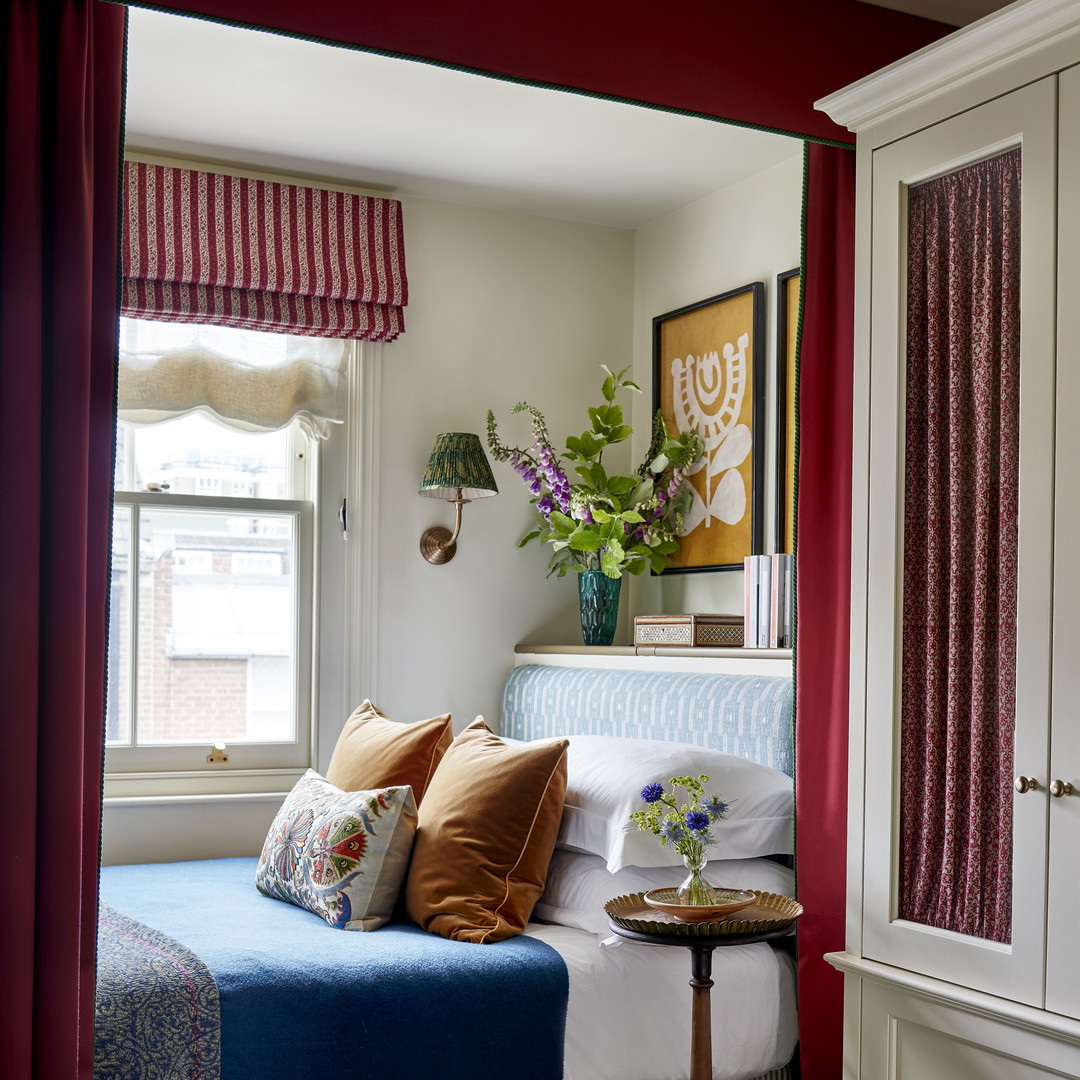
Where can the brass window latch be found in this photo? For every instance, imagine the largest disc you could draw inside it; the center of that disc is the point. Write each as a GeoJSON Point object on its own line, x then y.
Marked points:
{"type": "Point", "coordinates": [217, 756]}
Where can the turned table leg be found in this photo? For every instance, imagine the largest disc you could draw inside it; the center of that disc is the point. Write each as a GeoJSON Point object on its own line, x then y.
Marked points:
{"type": "Point", "coordinates": [701, 1016]}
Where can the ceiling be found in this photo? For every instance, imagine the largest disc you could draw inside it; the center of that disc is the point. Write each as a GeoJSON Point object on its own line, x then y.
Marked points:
{"type": "Point", "coordinates": [283, 105]}
{"type": "Point", "coordinates": [278, 104]}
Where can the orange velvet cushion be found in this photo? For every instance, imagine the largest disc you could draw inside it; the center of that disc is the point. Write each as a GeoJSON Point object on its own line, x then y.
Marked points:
{"type": "Point", "coordinates": [374, 751]}
{"type": "Point", "coordinates": [485, 835]}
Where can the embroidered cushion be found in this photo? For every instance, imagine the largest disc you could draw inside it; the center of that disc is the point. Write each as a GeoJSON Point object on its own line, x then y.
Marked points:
{"type": "Point", "coordinates": [486, 831]}
{"type": "Point", "coordinates": [374, 751]}
{"type": "Point", "coordinates": [339, 854]}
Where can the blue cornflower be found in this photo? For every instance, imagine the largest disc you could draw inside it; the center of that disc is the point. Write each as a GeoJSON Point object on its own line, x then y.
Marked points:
{"type": "Point", "coordinates": [715, 807]}
{"type": "Point", "coordinates": [697, 820]}
{"type": "Point", "coordinates": [652, 792]}
{"type": "Point", "coordinates": [673, 831]}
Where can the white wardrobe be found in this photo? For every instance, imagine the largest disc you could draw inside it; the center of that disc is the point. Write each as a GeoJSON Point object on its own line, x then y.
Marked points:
{"type": "Point", "coordinates": [926, 997]}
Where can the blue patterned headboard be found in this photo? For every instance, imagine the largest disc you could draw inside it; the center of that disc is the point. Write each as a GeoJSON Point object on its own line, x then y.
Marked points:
{"type": "Point", "coordinates": [747, 715]}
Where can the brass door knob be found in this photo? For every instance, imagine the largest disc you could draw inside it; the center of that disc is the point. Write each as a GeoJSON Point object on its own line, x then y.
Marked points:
{"type": "Point", "coordinates": [1026, 783]}
{"type": "Point", "coordinates": [1060, 787]}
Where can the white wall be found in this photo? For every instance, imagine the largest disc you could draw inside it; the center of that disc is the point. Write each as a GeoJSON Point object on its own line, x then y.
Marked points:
{"type": "Point", "coordinates": [505, 307]}
{"type": "Point", "coordinates": [748, 232]}
{"type": "Point", "coordinates": [508, 308]}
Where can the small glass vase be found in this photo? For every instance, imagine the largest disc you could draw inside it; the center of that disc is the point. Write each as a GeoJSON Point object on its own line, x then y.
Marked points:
{"type": "Point", "coordinates": [598, 597]}
{"type": "Point", "coordinates": [696, 889]}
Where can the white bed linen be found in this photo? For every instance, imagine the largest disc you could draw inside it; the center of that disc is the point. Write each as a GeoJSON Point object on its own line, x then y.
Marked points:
{"type": "Point", "coordinates": [629, 1010]}
{"type": "Point", "coordinates": [578, 886]}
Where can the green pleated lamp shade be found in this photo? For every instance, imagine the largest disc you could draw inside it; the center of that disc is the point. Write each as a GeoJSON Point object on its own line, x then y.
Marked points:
{"type": "Point", "coordinates": [458, 461]}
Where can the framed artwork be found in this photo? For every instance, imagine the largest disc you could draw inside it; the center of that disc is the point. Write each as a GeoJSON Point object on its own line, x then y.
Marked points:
{"type": "Point", "coordinates": [788, 287]}
{"type": "Point", "coordinates": [708, 377]}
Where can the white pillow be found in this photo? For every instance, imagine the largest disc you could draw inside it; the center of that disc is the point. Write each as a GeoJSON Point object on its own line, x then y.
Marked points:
{"type": "Point", "coordinates": [342, 855]}
{"type": "Point", "coordinates": [605, 775]}
{"type": "Point", "coordinates": [578, 885]}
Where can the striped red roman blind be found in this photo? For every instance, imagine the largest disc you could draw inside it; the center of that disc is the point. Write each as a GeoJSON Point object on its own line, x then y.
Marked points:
{"type": "Point", "coordinates": [204, 247]}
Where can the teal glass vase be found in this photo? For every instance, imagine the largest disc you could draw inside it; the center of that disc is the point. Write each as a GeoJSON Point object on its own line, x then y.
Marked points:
{"type": "Point", "coordinates": [598, 596]}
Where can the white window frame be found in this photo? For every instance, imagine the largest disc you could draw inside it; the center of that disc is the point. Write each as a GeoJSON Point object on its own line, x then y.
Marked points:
{"type": "Point", "coordinates": [349, 655]}
{"type": "Point", "coordinates": [184, 770]}
{"type": "Point", "coordinates": [345, 603]}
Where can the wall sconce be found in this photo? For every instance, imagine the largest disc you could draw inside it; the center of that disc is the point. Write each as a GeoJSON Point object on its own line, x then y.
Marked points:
{"type": "Point", "coordinates": [457, 471]}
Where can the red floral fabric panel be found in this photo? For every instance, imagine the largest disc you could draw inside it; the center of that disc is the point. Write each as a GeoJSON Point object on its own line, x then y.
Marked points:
{"type": "Point", "coordinates": [211, 248]}
{"type": "Point", "coordinates": [960, 540]}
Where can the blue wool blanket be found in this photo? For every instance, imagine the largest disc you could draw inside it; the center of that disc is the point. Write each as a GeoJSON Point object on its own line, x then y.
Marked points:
{"type": "Point", "coordinates": [303, 1001]}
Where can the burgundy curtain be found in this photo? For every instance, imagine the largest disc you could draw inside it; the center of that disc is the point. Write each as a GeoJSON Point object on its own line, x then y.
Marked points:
{"type": "Point", "coordinates": [960, 505]}
{"type": "Point", "coordinates": [212, 248]}
{"type": "Point", "coordinates": [63, 73]}
{"type": "Point", "coordinates": [63, 76]}
{"type": "Point", "coordinates": [823, 553]}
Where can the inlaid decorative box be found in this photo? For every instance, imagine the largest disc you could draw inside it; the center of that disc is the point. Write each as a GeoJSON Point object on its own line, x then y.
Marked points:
{"type": "Point", "coordinates": [716, 631]}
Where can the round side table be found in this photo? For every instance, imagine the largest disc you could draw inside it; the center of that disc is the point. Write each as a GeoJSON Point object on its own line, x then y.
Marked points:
{"type": "Point", "coordinates": [701, 945]}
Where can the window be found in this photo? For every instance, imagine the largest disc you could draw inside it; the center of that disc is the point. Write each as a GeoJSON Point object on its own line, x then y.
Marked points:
{"type": "Point", "coordinates": [210, 636]}
{"type": "Point", "coordinates": [256, 562]}
{"type": "Point", "coordinates": [190, 561]}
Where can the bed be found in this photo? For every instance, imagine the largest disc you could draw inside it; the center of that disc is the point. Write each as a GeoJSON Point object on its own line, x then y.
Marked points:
{"type": "Point", "coordinates": [200, 975]}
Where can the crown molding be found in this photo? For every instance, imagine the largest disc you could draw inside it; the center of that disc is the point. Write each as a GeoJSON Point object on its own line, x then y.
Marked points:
{"type": "Point", "coordinates": [970, 51]}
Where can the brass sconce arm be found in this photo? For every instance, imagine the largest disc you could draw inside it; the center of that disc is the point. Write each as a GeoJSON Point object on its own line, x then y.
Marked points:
{"type": "Point", "coordinates": [438, 544]}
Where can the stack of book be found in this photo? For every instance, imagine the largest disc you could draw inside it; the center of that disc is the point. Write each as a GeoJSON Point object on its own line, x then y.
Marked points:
{"type": "Point", "coordinates": [768, 598]}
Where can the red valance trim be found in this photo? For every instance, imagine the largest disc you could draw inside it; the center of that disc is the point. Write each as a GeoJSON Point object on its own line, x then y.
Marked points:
{"type": "Point", "coordinates": [248, 309]}
{"type": "Point", "coordinates": [228, 250]}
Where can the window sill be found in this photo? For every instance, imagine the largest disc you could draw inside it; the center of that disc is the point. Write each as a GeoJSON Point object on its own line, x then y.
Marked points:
{"type": "Point", "coordinates": [189, 800]}
{"type": "Point", "coordinates": [135, 789]}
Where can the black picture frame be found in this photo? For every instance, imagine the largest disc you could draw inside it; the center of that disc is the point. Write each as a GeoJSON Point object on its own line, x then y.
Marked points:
{"type": "Point", "coordinates": [735, 377]}
{"type": "Point", "coordinates": [788, 301]}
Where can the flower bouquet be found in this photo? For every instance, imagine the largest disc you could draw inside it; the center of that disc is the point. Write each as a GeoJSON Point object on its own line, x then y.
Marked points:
{"type": "Point", "coordinates": [600, 525]}
{"type": "Point", "coordinates": [685, 827]}
{"type": "Point", "coordinates": [597, 521]}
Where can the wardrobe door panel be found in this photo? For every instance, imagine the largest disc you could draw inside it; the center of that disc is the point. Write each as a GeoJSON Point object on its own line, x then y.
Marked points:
{"type": "Point", "coordinates": [959, 568]}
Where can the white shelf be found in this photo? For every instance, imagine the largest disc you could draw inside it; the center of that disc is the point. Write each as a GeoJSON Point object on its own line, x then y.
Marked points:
{"type": "Point", "coordinates": [659, 658]}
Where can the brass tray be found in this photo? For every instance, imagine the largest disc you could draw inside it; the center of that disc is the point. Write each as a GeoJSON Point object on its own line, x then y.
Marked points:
{"type": "Point", "coordinates": [724, 902]}
{"type": "Point", "coordinates": [769, 913]}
